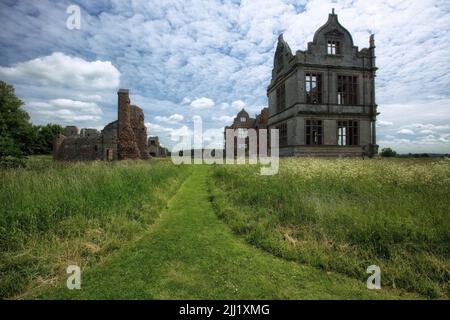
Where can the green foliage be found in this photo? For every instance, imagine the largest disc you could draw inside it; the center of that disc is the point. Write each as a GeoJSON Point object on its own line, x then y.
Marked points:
{"type": "Point", "coordinates": [388, 152]}
{"type": "Point", "coordinates": [14, 124]}
{"type": "Point", "coordinates": [18, 137]}
{"type": "Point", "coordinates": [53, 213]}
{"type": "Point", "coordinates": [43, 136]}
{"type": "Point", "coordinates": [345, 215]}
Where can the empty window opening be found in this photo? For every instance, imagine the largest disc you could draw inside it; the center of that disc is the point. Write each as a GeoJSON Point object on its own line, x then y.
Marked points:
{"type": "Point", "coordinates": [347, 90]}
{"type": "Point", "coordinates": [348, 133]}
{"type": "Point", "coordinates": [314, 132]}
{"type": "Point", "coordinates": [313, 88]}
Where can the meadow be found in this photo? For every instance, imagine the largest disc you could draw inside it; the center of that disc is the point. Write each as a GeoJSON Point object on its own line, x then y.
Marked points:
{"type": "Point", "coordinates": [152, 230]}
{"type": "Point", "coordinates": [54, 214]}
{"type": "Point", "coordinates": [343, 215]}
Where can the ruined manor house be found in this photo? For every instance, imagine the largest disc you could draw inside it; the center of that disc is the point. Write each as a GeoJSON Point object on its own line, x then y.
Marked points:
{"type": "Point", "coordinates": [322, 99]}
{"type": "Point", "coordinates": [125, 138]}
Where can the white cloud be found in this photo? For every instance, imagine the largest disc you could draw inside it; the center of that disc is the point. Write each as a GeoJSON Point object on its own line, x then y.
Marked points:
{"type": "Point", "coordinates": [59, 69]}
{"type": "Point", "coordinates": [382, 123]}
{"type": "Point", "coordinates": [238, 104]}
{"type": "Point", "coordinates": [66, 111]}
{"type": "Point", "coordinates": [405, 131]}
{"type": "Point", "coordinates": [202, 103]}
{"type": "Point", "coordinates": [224, 120]}
{"type": "Point", "coordinates": [175, 118]}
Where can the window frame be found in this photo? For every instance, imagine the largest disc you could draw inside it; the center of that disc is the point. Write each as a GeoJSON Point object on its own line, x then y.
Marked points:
{"type": "Point", "coordinates": [310, 95]}
{"type": "Point", "coordinates": [313, 132]}
{"type": "Point", "coordinates": [351, 135]}
{"type": "Point", "coordinates": [333, 47]}
{"type": "Point", "coordinates": [347, 90]}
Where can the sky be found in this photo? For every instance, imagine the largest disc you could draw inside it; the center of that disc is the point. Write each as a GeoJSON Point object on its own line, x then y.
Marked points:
{"type": "Point", "coordinates": [184, 59]}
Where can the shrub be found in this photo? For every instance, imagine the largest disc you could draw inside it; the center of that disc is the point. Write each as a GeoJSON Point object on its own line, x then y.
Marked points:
{"type": "Point", "coordinates": [388, 152]}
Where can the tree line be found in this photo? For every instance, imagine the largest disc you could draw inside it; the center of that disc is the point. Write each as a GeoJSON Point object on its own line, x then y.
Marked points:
{"type": "Point", "coordinates": [19, 138]}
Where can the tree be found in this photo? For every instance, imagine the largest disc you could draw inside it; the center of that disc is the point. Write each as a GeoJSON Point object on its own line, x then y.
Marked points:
{"type": "Point", "coordinates": [18, 137]}
{"type": "Point", "coordinates": [388, 152]}
{"type": "Point", "coordinates": [15, 127]}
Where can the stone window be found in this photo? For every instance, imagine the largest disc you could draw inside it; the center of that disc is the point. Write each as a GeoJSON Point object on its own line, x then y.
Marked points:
{"type": "Point", "coordinates": [281, 98]}
{"type": "Point", "coordinates": [314, 132]}
{"type": "Point", "coordinates": [283, 134]}
{"type": "Point", "coordinates": [346, 90]}
{"type": "Point", "coordinates": [333, 47]}
{"type": "Point", "coordinates": [313, 89]}
{"type": "Point", "coordinates": [348, 133]}
{"type": "Point", "coordinates": [243, 119]}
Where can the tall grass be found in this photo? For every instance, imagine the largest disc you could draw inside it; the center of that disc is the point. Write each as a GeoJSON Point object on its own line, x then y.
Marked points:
{"type": "Point", "coordinates": [55, 214]}
{"type": "Point", "coordinates": [345, 215]}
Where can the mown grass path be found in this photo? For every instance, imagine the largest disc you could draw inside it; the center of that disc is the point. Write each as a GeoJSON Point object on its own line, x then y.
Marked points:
{"type": "Point", "coordinates": [190, 254]}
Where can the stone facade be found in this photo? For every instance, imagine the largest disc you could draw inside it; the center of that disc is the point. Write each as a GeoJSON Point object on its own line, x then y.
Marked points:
{"type": "Point", "coordinates": [323, 99]}
{"type": "Point", "coordinates": [125, 138]}
{"type": "Point", "coordinates": [242, 122]}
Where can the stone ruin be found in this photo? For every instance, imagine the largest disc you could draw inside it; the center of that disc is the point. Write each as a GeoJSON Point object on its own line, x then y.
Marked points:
{"type": "Point", "coordinates": [125, 138]}
{"type": "Point", "coordinates": [155, 149]}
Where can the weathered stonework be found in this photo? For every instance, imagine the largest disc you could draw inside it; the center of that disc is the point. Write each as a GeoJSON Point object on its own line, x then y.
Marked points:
{"type": "Point", "coordinates": [123, 139]}
{"type": "Point", "coordinates": [127, 147]}
{"type": "Point", "coordinates": [307, 88]}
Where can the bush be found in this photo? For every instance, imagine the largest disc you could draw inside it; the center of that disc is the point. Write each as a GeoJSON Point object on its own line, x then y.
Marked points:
{"type": "Point", "coordinates": [388, 152]}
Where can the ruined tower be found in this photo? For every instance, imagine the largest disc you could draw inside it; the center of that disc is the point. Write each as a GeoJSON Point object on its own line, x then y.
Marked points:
{"type": "Point", "coordinates": [127, 147]}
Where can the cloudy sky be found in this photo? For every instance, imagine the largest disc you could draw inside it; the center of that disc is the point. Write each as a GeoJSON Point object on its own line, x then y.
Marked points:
{"type": "Point", "coordinates": [211, 58]}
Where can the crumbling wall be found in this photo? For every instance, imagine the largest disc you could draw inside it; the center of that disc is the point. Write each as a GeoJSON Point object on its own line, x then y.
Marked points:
{"type": "Point", "coordinates": [127, 147]}
{"type": "Point", "coordinates": [140, 130]}
{"type": "Point", "coordinates": [109, 141]}
{"type": "Point", "coordinates": [83, 146]}
{"type": "Point", "coordinates": [125, 138]}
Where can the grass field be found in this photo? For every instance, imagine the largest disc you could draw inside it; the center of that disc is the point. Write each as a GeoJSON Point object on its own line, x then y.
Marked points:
{"type": "Point", "coordinates": [190, 254]}
{"type": "Point", "coordinates": [152, 230]}
{"type": "Point", "coordinates": [345, 215]}
{"type": "Point", "coordinates": [54, 214]}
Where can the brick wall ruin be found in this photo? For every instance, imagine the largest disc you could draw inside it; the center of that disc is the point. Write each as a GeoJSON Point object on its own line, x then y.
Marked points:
{"type": "Point", "coordinates": [125, 138]}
